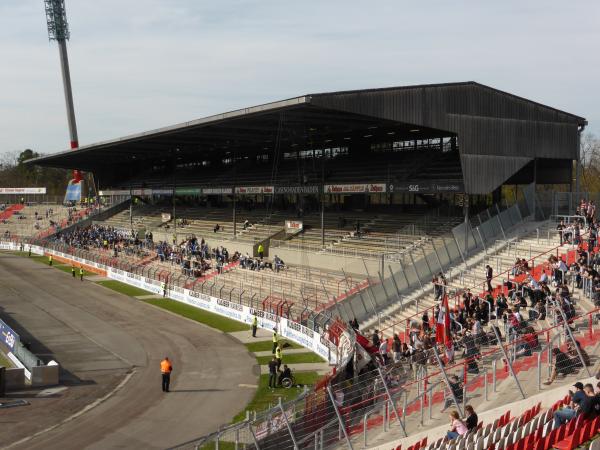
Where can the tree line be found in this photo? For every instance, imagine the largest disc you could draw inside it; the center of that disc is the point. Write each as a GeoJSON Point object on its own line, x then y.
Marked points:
{"type": "Point", "coordinates": [15, 173]}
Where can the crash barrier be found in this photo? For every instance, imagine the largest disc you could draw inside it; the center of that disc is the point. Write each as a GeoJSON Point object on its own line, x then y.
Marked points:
{"type": "Point", "coordinates": [335, 343]}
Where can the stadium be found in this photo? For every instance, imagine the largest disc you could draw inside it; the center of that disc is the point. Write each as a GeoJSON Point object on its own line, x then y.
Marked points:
{"type": "Point", "coordinates": [398, 243]}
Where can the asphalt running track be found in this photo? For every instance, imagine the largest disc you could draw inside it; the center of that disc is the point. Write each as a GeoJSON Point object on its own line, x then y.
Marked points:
{"type": "Point", "coordinates": [104, 340]}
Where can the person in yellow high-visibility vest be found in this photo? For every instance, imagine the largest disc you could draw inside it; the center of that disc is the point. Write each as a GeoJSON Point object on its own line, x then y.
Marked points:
{"type": "Point", "coordinates": [254, 325]}
{"type": "Point", "coordinates": [278, 355]}
{"type": "Point", "coordinates": [81, 273]}
{"type": "Point", "coordinates": [73, 271]}
{"type": "Point", "coordinates": [274, 340]}
{"type": "Point", "coordinates": [49, 260]}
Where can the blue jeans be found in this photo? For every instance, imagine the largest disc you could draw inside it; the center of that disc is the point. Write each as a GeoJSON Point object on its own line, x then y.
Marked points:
{"type": "Point", "coordinates": [563, 416]}
{"type": "Point", "coordinates": [452, 435]}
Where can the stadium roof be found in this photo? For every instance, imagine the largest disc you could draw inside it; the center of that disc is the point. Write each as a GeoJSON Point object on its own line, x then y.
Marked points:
{"type": "Point", "coordinates": [498, 133]}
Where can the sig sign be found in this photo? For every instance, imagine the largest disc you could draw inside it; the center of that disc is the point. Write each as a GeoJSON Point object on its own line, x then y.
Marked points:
{"type": "Point", "coordinates": [7, 336]}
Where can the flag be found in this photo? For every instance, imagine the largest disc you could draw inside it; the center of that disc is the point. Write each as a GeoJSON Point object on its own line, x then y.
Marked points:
{"type": "Point", "coordinates": [442, 326]}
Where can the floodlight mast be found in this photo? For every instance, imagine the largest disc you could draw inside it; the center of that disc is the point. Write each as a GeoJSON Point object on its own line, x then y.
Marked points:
{"type": "Point", "coordinates": [58, 30]}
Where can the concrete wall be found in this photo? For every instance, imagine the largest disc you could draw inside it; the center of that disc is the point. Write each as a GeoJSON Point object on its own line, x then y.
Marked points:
{"type": "Point", "coordinates": [44, 375]}
{"type": "Point", "coordinates": [327, 261]}
{"type": "Point", "coordinates": [14, 379]}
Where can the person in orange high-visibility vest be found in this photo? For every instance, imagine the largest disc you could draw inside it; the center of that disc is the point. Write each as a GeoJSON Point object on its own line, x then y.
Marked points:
{"type": "Point", "coordinates": [166, 368]}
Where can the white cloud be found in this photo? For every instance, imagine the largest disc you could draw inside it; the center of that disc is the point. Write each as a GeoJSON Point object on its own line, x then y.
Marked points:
{"type": "Point", "coordinates": [138, 65]}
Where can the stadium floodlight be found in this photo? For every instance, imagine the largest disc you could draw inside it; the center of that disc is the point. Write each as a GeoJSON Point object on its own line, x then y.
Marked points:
{"type": "Point", "coordinates": [58, 30]}
{"type": "Point", "coordinates": [56, 18]}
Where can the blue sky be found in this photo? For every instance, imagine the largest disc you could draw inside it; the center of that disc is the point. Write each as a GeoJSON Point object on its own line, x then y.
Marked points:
{"type": "Point", "coordinates": [138, 65]}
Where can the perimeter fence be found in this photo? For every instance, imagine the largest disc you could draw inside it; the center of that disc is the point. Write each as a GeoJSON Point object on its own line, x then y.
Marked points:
{"type": "Point", "coordinates": [400, 397]}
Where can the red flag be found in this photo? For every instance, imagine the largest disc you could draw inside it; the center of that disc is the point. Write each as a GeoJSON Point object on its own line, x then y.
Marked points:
{"type": "Point", "coordinates": [442, 326]}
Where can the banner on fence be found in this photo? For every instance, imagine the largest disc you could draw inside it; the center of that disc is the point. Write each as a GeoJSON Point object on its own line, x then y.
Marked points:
{"type": "Point", "coordinates": [8, 336]}
{"type": "Point", "coordinates": [241, 313]}
{"type": "Point", "coordinates": [29, 190]}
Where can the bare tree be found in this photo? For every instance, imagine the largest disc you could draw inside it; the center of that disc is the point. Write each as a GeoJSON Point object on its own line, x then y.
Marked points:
{"type": "Point", "coordinates": [590, 163]}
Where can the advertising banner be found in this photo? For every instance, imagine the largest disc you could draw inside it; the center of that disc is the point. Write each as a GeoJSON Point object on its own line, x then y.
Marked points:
{"type": "Point", "coordinates": [216, 191]}
{"type": "Point", "coordinates": [293, 226]}
{"type": "Point", "coordinates": [7, 336]}
{"type": "Point", "coordinates": [247, 190]}
{"type": "Point", "coordinates": [296, 189]}
{"type": "Point", "coordinates": [427, 187]}
{"type": "Point", "coordinates": [286, 328]}
{"type": "Point", "coordinates": [371, 188]}
{"type": "Point", "coordinates": [188, 191]}
{"type": "Point", "coordinates": [115, 192]}
{"type": "Point", "coordinates": [30, 190]}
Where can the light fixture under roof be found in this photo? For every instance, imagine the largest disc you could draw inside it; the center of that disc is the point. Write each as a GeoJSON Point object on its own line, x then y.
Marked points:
{"type": "Point", "coordinates": [391, 132]}
{"type": "Point", "coordinates": [327, 140]}
{"type": "Point", "coordinates": [347, 138]}
{"type": "Point", "coordinates": [372, 128]}
{"type": "Point", "coordinates": [368, 135]}
{"type": "Point", "coordinates": [416, 130]}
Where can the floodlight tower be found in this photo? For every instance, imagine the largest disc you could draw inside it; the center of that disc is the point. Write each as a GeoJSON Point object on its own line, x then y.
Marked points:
{"type": "Point", "coordinates": [58, 30]}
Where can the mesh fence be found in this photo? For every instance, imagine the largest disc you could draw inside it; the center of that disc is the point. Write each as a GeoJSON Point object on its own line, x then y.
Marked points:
{"type": "Point", "coordinates": [403, 393]}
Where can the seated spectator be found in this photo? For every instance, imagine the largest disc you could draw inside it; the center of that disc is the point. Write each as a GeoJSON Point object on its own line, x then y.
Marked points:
{"type": "Point", "coordinates": [580, 403]}
{"type": "Point", "coordinates": [471, 420]}
{"type": "Point", "coordinates": [562, 365]}
{"type": "Point", "coordinates": [457, 390]}
{"type": "Point", "coordinates": [574, 355]}
{"type": "Point", "coordinates": [457, 426]}
{"type": "Point", "coordinates": [278, 263]}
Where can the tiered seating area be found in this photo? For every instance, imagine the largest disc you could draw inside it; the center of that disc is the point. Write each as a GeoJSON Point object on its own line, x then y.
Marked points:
{"type": "Point", "coordinates": [534, 429]}
{"type": "Point", "coordinates": [379, 233]}
{"type": "Point", "coordinates": [20, 220]}
{"type": "Point", "coordinates": [417, 163]}
{"type": "Point", "coordinates": [397, 318]}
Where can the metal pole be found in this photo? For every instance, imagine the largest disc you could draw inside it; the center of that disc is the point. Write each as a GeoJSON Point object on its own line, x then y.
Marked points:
{"type": "Point", "coordinates": [481, 237]}
{"type": "Point", "coordinates": [392, 401]}
{"type": "Point", "coordinates": [253, 436]}
{"type": "Point", "coordinates": [234, 214]}
{"type": "Point", "coordinates": [437, 257]}
{"type": "Point", "coordinates": [445, 375]}
{"type": "Point", "coordinates": [507, 359]}
{"type": "Point", "coordinates": [500, 222]}
{"type": "Point", "coordinates": [416, 273]}
{"type": "Point", "coordinates": [570, 334]}
{"type": "Point", "coordinates": [396, 287]}
{"type": "Point", "coordinates": [288, 425]}
{"type": "Point", "coordinates": [466, 207]}
{"type": "Point", "coordinates": [339, 416]}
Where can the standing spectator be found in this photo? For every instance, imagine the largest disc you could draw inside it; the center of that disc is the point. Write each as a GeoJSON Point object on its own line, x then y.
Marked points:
{"type": "Point", "coordinates": [273, 372]}
{"type": "Point", "coordinates": [489, 274]}
{"type": "Point", "coordinates": [397, 348]}
{"type": "Point", "coordinates": [425, 321]}
{"type": "Point", "coordinates": [375, 339]}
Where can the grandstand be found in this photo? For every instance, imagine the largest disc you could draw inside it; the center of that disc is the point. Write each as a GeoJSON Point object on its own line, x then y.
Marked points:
{"type": "Point", "coordinates": [35, 219]}
{"type": "Point", "coordinates": [366, 196]}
